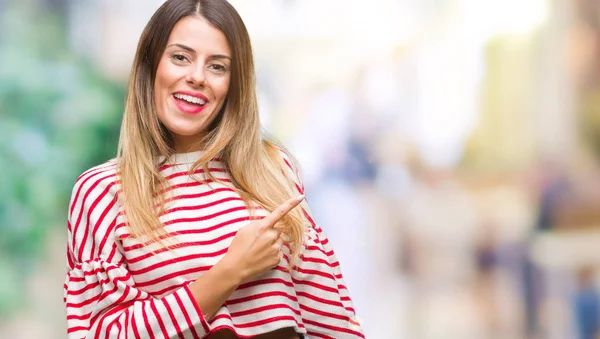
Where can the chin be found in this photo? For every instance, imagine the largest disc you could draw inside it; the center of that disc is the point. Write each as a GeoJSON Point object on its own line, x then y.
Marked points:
{"type": "Point", "coordinates": [187, 133]}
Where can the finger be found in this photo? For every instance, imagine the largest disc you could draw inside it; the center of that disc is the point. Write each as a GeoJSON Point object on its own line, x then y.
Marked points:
{"type": "Point", "coordinates": [279, 243]}
{"type": "Point", "coordinates": [283, 209]}
{"type": "Point", "coordinates": [285, 236]}
{"type": "Point", "coordinates": [278, 227]}
{"type": "Point", "coordinates": [279, 247]}
{"type": "Point", "coordinates": [271, 235]}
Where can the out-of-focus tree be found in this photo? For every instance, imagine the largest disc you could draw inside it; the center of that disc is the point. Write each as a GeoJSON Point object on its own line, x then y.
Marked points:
{"type": "Point", "coordinates": [58, 116]}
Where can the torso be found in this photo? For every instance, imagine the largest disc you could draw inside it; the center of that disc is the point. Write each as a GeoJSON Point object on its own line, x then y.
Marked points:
{"type": "Point", "coordinates": [207, 216]}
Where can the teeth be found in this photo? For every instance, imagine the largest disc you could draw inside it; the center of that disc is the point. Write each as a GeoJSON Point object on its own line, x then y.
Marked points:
{"type": "Point", "coordinates": [190, 98]}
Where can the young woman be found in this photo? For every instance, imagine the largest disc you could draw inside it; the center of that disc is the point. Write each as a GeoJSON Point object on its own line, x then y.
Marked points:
{"type": "Point", "coordinates": [198, 228]}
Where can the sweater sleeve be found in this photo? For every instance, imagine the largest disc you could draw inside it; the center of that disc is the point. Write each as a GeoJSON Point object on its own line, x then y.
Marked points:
{"type": "Point", "coordinates": [100, 295]}
{"type": "Point", "coordinates": [325, 304]}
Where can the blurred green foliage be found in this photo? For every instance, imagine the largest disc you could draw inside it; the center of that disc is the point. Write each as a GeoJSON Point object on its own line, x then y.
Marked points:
{"type": "Point", "coordinates": [58, 117]}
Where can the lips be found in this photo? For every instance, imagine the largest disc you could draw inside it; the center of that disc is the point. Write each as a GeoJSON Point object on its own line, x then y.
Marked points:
{"type": "Point", "coordinates": [190, 103]}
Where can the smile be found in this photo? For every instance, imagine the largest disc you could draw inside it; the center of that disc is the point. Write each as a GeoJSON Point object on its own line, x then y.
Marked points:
{"type": "Point", "coordinates": [190, 99]}
{"type": "Point", "coordinates": [188, 103]}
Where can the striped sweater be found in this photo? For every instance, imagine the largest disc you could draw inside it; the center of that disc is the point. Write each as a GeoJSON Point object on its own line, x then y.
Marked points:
{"type": "Point", "coordinates": [118, 287]}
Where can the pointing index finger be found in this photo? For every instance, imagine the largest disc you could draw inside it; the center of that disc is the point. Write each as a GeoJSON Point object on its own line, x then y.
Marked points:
{"type": "Point", "coordinates": [271, 220]}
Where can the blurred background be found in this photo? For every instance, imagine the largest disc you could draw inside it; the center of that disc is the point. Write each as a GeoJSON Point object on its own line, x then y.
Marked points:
{"type": "Point", "coordinates": [450, 150]}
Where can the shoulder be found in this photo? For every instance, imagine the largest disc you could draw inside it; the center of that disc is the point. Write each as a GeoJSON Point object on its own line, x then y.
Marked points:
{"type": "Point", "coordinates": [286, 160]}
{"type": "Point", "coordinates": [92, 212]}
{"type": "Point", "coordinates": [95, 182]}
{"type": "Point", "coordinates": [281, 155]}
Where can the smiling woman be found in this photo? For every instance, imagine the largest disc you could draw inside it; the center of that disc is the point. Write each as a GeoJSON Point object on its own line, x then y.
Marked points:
{"type": "Point", "coordinates": [192, 80]}
{"type": "Point", "coordinates": [199, 227]}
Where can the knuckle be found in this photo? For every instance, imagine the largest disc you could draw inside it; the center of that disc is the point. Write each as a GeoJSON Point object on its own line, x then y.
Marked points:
{"type": "Point", "coordinates": [273, 235]}
{"type": "Point", "coordinates": [263, 225]}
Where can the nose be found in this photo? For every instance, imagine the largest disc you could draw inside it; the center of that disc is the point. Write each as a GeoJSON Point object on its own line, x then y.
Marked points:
{"type": "Point", "coordinates": [196, 76]}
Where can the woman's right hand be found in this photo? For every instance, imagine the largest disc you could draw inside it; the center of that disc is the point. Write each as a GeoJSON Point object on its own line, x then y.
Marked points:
{"type": "Point", "coordinates": [256, 247]}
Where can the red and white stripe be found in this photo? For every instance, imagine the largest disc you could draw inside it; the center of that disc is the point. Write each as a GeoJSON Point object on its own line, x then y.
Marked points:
{"type": "Point", "coordinates": [118, 286]}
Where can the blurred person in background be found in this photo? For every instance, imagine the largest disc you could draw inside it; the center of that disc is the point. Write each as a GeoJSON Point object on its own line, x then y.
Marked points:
{"type": "Point", "coordinates": [192, 230]}
{"type": "Point", "coordinates": [554, 188]}
{"type": "Point", "coordinates": [586, 305]}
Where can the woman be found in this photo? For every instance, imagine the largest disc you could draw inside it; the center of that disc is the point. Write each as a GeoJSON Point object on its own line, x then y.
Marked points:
{"type": "Point", "coordinates": [191, 231]}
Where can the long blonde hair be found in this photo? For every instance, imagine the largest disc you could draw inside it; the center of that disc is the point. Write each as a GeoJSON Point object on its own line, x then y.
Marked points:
{"type": "Point", "coordinates": [258, 170]}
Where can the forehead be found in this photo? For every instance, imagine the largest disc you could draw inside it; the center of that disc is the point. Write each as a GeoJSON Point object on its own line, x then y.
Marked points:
{"type": "Point", "coordinates": [196, 32]}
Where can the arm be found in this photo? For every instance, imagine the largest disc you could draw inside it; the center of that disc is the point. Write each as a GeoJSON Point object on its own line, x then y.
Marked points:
{"type": "Point", "coordinates": [101, 297]}
{"type": "Point", "coordinates": [324, 299]}
{"type": "Point", "coordinates": [325, 303]}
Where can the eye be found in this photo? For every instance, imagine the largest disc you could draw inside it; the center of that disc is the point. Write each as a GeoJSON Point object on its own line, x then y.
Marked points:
{"type": "Point", "coordinates": [218, 68]}
{"type": "Point", "coordinates": [180, 58]}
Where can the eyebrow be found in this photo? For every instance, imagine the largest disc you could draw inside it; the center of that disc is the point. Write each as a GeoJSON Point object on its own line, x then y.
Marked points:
{"type": "Point", "coordinates": [191, 50]}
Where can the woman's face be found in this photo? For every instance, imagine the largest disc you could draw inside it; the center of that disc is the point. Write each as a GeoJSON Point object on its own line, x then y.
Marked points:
{"type": "Point", "coordinates": [192, 80]}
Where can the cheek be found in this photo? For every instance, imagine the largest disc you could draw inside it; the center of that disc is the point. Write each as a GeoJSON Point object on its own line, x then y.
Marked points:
{"type": "Point", "coordinates": [160, 78]}
{"type": "Point", "coordinates": [166, 75]}
{"type": "Point", "coordinates": [223, 88]}
{"type": "Point", "coordinates": [163, 81]}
